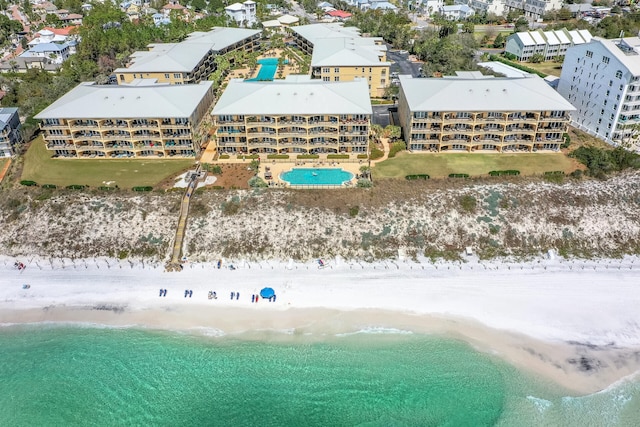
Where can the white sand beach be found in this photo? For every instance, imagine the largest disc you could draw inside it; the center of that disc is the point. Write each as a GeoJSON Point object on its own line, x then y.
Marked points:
{"type": "Point", "coordinates": [574, 322]}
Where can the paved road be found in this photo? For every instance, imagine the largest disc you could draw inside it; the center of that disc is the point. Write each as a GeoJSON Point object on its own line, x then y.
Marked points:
{"type": "Point", "coordinates": [402, 64]}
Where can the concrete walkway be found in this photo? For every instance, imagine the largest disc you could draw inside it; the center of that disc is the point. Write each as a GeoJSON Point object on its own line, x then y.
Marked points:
{"type": "Point", "coordinates": [175, 264]}
{"type": "Point", "coordinates": [385, 149]}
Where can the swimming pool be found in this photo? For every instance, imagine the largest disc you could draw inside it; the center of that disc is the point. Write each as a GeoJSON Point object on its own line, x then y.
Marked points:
{"type": "Point", "coordinates": [268, 68]}
{"type": "Point", "coordinates": [316, 176]}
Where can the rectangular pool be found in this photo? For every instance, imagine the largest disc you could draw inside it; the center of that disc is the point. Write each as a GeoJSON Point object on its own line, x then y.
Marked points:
{"type": "Point", "coordinates": [316, 176]}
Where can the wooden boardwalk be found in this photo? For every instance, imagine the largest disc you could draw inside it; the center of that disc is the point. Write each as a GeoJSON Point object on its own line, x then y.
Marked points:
{"type": "Point", "coordinates": [175, 264]}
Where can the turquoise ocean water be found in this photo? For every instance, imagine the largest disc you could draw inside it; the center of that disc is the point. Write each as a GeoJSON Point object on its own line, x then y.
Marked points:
{"type": "Point", "coordinates": [60, 375]}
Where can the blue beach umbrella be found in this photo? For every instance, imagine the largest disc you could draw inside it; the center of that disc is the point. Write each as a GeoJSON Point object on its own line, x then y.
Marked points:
{"type": "Point", "coordinates": [267, 292]}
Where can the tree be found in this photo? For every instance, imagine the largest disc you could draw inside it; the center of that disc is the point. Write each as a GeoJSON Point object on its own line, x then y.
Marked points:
{"type": "Point", "coordinates": [499, 41]}
{"type": "Point", "coordinates": [468, 27]}
{"type": "Point", "coordinates": [521, 25]}
{"type": "Point", "coordinates": [564, 14]}
{"type": "Point", "coordinates": [536, 58]}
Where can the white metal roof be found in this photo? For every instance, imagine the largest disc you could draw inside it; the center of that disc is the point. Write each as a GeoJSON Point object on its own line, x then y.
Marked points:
{"type": "Point", "coordinates": [505, 69]}
{"type": "Point", "coordinates": [576, 38]}
{"type": "Point", "coordinates": [347, 52]}
{"type": "Point", "coordinates": [91, 101]}
{"type": "Point", "coordinates": [294, 96]}
{"type": "Point", "coordinates": [220, 38]}
{"type": "Point", "coordinates": [562, 36]}
{"type": "Point", "coordinates": [314, 32]}
{"type": "Point", "coordinates": [525, 38]}
{"type": "Point", "coordinates": [490, 94]}
{"type": "Point", "coordinates": [537, 37]}
{"type": "Point", "coordinates": [586, 35]}
{"type": "Point", "coordinates": [552, 40]}
{"type": "Point", "coordinates": [631, 61]}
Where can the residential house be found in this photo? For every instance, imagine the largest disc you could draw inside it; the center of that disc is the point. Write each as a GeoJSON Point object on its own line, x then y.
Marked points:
{"type": "Point", "coordinates": [68, 18]}
{"type": "Point", "coordinates": [340, 54]}
{"type": "Point", "coordinates": [602, 80]}
{"type": "Point", "coordinates": [189, 61]}
{"type": "Point", "coordinates": [431, 7]}
{"type": "Point", "coordinates": [9, 131]}
{"type": "Point", "coordinates": [244, 14]}
{"type": "Point", "coordinates": [549, 44]}
{"type": "Point", "coordinates": [382, 5]}
{"type": "Point", "coordinates": [22, 64]}
{"type": "Point", "coordinates": [457, 12]}
{"type": "Point", "coordinates": [495, 7]}
{"type": "Point", "coordinates": [339, 15]}
{"type": "Point", "coordinates": [532, 9]}
{"type": "Point", "coordinates": [471, 112]}
{"type": "Point", "coordinates": [294, 115]}
{"type": "Point", "coordinates": [122, 121]}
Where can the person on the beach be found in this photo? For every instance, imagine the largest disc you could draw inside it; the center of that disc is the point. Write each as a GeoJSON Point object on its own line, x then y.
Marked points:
{"type": "Point", "coordinates": [233, 294]}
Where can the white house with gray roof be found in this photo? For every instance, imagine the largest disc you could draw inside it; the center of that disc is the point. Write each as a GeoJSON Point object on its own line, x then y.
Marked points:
{"type": "Point", "coordinates": [602, 80]}
{"type": "Point", "coordinates": [294, 115]}
{"type": "Point", "coordinates": [472, 112]}
{"type": "Point", "coordinates": [142, 119]}
{"type": "Point", "coordinates": [550, 44]}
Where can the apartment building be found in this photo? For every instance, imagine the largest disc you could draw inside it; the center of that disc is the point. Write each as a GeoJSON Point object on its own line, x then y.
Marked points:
{"type": "Point", "coordinates": [602, 80]}
{"type": "Point", "coordinates": [471, 112]}
{"type": "Point", "coordinates": [341, 54]}
{"type": "Point", "coordinates": [532, 9]}
{"type": "Point", "coordinates": [294, 115]}
{"type": "Point", "coordinates": [144, 119]}
{"type": "Point", "coordinates": [189, 61]}
{"type": "Point", "coordinates": [496, 7]}
{"type": "Point", "coordinates": [550, 44]}
{"type": "Point", "coordinates": [9, 131]}
{"type": "Point", "coordinates": [244, 14]}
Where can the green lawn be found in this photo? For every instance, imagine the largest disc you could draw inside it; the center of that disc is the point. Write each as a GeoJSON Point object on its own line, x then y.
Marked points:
{"type": "Point", "coordinates": [549, 67]}
{"type": "Point", "coordinates": [41, 168]}
{"type": "Point", "coordinates": [439, 165]}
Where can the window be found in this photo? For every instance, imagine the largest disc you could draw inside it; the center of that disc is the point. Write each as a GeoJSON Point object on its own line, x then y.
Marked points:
{"type": "Point", "coordinates": [326, 79]}
{"type": "Point", "coordinates": [166, 76]}
{"type": "Point", "coordinates": [605, 59]}
{"type": "Point", "coordinates": [608, 92]}
{"type": "Point", "coordinates": [599, 120]}
{"type": "Point", "coordinates": [601, 112]}
{"type": "Point", "coordinates": [605, 102]}
{"type": "Point", "coordinates": [610, 83]}
{"type": "Point", "coordinates": [121, 77]}
{"type": "Point", "coordinates": [619, 74]}
{"type": "Point", "coordinates": [419, 115]}
{"type": "Point", "coordinates": [325, 69]}
{"type": "Point", "coordinates": [177, 75]}
{"type": "Point", "coordinates": [336, 79]}
{"type": "Point", "coordinates": [336, 70]}
{"type": "Point", "coordinates": [589, 54]}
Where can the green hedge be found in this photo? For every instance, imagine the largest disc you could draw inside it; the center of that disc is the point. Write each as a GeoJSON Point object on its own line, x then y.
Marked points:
{"type": "Point", "coordinates": [362, 156]}
{"type": "Point", "coordinates": [418, 176]}
{"type": "Point", "coordinates": [458, 175]}
{"type": "Point", "coordinates": [142, 188]}
{"type": "Point", "coordinates": [505, 172]}
{"type": "Point", "coordinates": [51, 186]}
{"type": "Point", "coordinates": [308, 156]}
{"type": "Point", "coordinates": [337, 156]}
{"type": "Point", "coordinates": [251, 156]}
{"type": "Point", "coordinates": [516, 65]}
{"type": "Point", "coordinates": [224, 156]}
{"type": "Point", "coordinates": [277, 156]}
{"type": "Point", "coordinates": [75, 187]}
{"type": "Point", "coordinates": [28, 183]}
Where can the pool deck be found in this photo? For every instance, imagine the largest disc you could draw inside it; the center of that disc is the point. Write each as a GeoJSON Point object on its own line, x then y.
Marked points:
{"type": "Point", "coordinates": [278, 168]}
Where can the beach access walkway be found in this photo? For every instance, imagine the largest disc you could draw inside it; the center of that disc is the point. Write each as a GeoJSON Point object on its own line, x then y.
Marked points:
{"type": "Point", "coordinates": [175, 264]}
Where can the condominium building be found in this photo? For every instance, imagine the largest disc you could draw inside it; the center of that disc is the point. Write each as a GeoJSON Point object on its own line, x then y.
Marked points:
{"type": "Point", "coordinates": [137, 120]}
{"type": "Point", "coordinates": [295, 115]}
{"type": "Point", "coordinates": [550, 44]}
{"type": "Point", "coordinates": [602, 80]}
{"type": "Point", "coordinates": [189, 61]}
{"type": "Point", "coordinates": [340, 54]}
{"type": "Point", "coordinates": [470, 112]}
{"type": "Point", "coordinates": [495, 7]}
{"type": "Point", "coordinates": [9, 131]}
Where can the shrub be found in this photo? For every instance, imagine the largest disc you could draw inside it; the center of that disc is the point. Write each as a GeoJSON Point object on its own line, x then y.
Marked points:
{"type": "Point", "coordinates": [414, 177]}
{"type": "Point", "coordinates": [362, 156]}
{"type": "Point", "coordinates": [365, 183]}
{"type": "Point", "coordinates": [230, 208]}
{"type": "Point", "coordinates": [458, 175]}
{"type": "Point", "coordinates": [215, 169]}
{"type": "Point", "coordinates": [516, 65]}
{"type": "Point", "coordinates": [396, 147]}
{"type": "Point", "coordinates": [28, 183]}
{"type": "Point", "coordinates": [257, 182]}
{"type": "Point", "coordinates": [376, 153]}
{"type": "Point", "coordinates": [308, 156]}
{"type": "Point", "coordinates": [142, 188]}
{"type": "Point", "coordinates": [353, 211]}
{"type": "Point", "coordinates": [567, 140]}
{"type": "Point", "coordinates": [75, 187]}
{"type": "Point", "coordinates": [505, 172]}
{"type": "Point", "coordinates": [50, 186]}
{"type": "Point", "coordinates": [468, 203]}
{"type": "Point", "coordinates": [337, 156]}
{"type": "Point", "coordinates": [106, 188]}
{"type": "Point", "coordinates": [277, 156]}
{"type": "Point", "coordinates": [224, 156]}
{"type": "Point", "coordinates": [600, 161]}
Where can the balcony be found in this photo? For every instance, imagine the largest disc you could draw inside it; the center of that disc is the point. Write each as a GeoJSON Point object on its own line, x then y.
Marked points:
{"type": "Point", "coordinates": [61, 147]}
